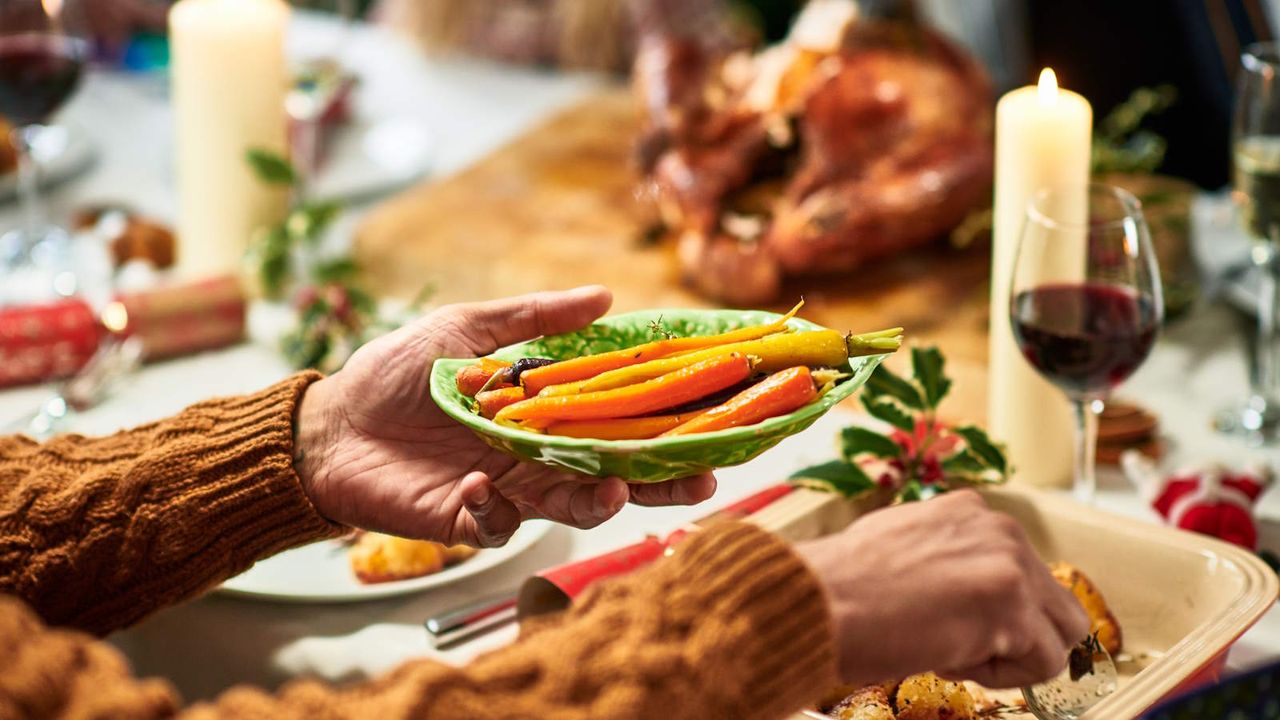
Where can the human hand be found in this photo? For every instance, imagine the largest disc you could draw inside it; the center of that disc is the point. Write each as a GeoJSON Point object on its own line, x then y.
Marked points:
{"type": "Point", "coordinates": [377, 453]}
{"type": "Point", "coordinates": [946, 585]}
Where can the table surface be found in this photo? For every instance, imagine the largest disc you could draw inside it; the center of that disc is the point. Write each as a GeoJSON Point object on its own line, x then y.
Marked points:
{"type": "Point", "coordinates": [470, 108]}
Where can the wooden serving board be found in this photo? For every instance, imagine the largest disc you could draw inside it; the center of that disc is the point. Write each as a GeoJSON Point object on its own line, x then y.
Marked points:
{"type": "Point", "coordinates": [556, 208]}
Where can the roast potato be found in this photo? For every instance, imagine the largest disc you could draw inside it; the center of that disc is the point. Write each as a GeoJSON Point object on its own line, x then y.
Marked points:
{"type": "Point", "coordinates": [376, 558]}
{"type": "Point", "coordinates": [869, 703]}
{"type": "Point", "coordinates": [1102, 622]}
{"type": "Point", "coordinates": [928, 697]}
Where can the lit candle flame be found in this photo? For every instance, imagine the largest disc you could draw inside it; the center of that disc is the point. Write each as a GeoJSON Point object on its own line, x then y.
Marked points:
{"type": "Point", "coordinates": [52, 8]}
{"type": "Point", "coordinates": [1048, 88]}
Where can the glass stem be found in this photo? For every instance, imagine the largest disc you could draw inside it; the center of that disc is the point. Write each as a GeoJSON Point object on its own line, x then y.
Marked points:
{"type": "Point", "coordinates": [307, 148]}
{"type": "Point", "coordinates": [1264, 378]}
{"type": "Point", "coordinates": [1085, 485]}
{"type": "Point", "coordinates": [28, 185]}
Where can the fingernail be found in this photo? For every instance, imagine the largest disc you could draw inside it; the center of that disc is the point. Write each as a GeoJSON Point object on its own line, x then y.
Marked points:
{"type": "Point", "coordinates": [480, 497]}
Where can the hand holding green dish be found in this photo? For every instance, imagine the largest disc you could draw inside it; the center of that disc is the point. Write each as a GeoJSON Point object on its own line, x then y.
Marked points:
{"type": "Point", "coordinates": [659, 394]}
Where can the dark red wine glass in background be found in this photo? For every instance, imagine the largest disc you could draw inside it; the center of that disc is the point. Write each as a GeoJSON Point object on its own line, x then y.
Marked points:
{"type": "Point", "coordinates": [38, 72]}
{"type": "Point", "coordinates": [40, 67]}
{"type": "Point", "coordinates": [1085, 306]}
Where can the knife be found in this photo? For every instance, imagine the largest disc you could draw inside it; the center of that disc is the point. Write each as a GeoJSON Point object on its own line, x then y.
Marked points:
{"type": "Point", "coordinates": [472, 619]}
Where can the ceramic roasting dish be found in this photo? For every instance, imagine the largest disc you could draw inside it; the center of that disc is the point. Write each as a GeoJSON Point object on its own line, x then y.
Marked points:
{"type": "Point", "coordinates": [1181, 598]}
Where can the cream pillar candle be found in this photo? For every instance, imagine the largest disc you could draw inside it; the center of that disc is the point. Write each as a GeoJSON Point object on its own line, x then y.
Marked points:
{"type": "Point", "coordinates": [228, 88]}
{"type": "Point", "coordinates": [1043, 139]}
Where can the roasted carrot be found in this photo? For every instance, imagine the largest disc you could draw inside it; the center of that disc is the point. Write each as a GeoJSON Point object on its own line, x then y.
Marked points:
{"type": "Point", "coordinates": [778, 394]}
{"type": "Point", "coordinates": [621, 428]}
{"type": "Point", "coordinates": [668, 391]}
{"type": "Point", "coordinates": [817, 348]}
{"type": "Point", "coordinates": [472, 378]}
{"type": "Point", "coordinates": [491, 401]}
{"type": "Point", "coordinates": [493, 364]}
{"type": "Point", "coordinates": [581, 368]}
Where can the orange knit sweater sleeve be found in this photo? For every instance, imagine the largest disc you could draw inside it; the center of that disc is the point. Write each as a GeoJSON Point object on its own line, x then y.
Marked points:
{"type": "Point", "coordinates": [97, 533]}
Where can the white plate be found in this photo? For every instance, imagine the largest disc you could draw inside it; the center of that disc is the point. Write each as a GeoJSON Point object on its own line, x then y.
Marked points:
{"type": "Point", "coordinates": [61, 152]}
{"type": "Point", "coordinates": [368, 159]}
{"type": "Point", "coordinates": [320, 572]}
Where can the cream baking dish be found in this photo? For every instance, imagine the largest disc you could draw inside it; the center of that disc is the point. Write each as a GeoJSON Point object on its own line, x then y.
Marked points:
{"type": "Point", "coordinates": [1181, 599]}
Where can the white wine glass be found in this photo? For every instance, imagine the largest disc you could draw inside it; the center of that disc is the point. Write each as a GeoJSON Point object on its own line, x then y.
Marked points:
{"type": "Point", "coordinates": [1255, 146]}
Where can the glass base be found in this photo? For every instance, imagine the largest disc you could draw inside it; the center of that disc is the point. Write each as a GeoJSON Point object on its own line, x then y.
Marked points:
{"type": "Point", "coordinates": [1257, 421]}
{"type": "Point", "coordinates": [21, 246]}
{"type": "Point", "coordinates": [36, 267]}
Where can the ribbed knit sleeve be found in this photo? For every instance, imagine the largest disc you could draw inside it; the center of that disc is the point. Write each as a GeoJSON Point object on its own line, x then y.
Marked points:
{"type": "Point", "coordinates": [96, 533]}
{"type": "Point", "coordinates": [734, 625]}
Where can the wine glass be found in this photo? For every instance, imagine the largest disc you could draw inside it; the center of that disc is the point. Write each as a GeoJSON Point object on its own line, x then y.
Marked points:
{"type": "Point", "coordinates": [1085, 305]}
{"type": "Point", "coordinates": [40, 66]}
{"type": "Point", "coordinates": [1256, 180]}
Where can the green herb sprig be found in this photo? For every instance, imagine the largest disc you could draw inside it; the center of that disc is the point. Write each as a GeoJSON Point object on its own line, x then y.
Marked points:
{"type": "Point", "coordinates": [1122, 144]}
{"type": "Point", "coordinates": [335, 315]}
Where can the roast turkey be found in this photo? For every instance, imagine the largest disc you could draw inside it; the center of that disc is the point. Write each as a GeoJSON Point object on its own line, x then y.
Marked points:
{"type": "Point", "coordinates": [855, 138]}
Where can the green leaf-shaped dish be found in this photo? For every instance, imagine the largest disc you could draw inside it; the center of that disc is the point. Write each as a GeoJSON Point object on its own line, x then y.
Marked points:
{"type": "Point", "coordinates": [652, 460]}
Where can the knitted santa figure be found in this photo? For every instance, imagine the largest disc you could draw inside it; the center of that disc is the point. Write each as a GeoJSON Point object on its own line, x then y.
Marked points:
{"type": "Point", "coordinates": [1212, 500]}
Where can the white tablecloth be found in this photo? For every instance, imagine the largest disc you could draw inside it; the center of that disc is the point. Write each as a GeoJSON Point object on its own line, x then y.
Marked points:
{"type": "Point", "coordinates": [470, 107]}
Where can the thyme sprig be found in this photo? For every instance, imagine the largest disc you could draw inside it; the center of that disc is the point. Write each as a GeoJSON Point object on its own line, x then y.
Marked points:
{"type": "Point", "coordinates": [658, 329]}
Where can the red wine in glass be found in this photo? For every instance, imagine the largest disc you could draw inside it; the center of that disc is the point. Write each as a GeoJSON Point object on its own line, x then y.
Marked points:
{"type": "Point", "coordinates": [38, 72]}
{"type": "Point", "coordinates": [1085, 338]}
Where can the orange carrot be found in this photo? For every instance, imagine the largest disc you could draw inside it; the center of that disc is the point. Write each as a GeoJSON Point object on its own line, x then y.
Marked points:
{"type": "Point", "coordinates": [671, 390]}
{"type": "Point", "coordinates": [491, 401]}
{"type": "Point", "coordinates": [471, 378]}
{"type": "Point", "coordinates": [587, 366]}
{"type": "Point", "coordinates": [778, 394]}
{"type": "Point", "coordinates": [621, 428]}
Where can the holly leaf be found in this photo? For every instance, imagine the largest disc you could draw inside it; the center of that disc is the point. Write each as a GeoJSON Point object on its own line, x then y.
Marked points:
{"type": "Point", "coordinates": [981, 445]}
{"type": "Point", "coordinates": [887, 410]}
{"type": "Point", "coordinates": [885, 382]}
{"type": "Point", "coordinates": [968, 469]}
{"type": "Point", "coordinates": [855, 441]}
{"type": "Point", "coordinates": [275, 265]}
{"type": "Point", "coordinates": [914, 491]}
{"type": "Point", "coordinates": [270, 167]}
{"type": "Point", "coordinates": [963, 463]}
{"type": "Point", "coordinates": [362, 302]}
{"type": "Point", "coordinates": [308, 222]}
{"type": "Point", "coordinates": [836, 476]}
{"type": "Point", "coordinates": [911, 491]}
{"type": "Point", "coordinates": [927, 366]}
{"type": "Point", "coordinates": [339, 269]}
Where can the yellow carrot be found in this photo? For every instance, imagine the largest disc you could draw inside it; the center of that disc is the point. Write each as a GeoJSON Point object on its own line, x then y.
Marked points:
{"type": "Point", "coordinates": [621, 428]}
{"type": "Point", "coordinates": [816, 348]}
{"type": "Point", "coordinates": [671, 390]}
{"type": "Point", "coordinates": [587, 366]}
